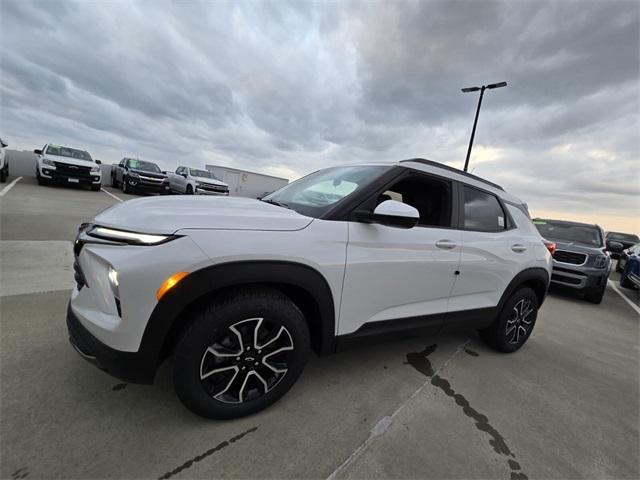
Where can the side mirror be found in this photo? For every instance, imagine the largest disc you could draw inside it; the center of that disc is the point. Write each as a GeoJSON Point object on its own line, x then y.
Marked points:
{"type": "Point", "coordinates": [99, 162]}
{"type": "Point", "coordinates": [393, 214]}
{"type": "Point", "coordinates": [184, 174]}
{"type": "Point", "coordinates": [37, 151]}
{"type": "Point", "coordinates": [612, 245]}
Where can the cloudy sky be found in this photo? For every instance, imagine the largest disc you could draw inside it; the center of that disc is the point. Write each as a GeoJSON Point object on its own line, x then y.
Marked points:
{"type": "Point", "coordinates": [286, 88]}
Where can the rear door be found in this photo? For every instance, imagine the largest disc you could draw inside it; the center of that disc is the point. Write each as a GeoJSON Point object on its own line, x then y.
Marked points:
{"type": "Point", "coordinates": [399, 278]}
{"type": "Point", "coordinates": [492, 252]}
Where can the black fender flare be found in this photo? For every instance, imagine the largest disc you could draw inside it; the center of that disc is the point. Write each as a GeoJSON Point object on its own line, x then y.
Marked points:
{"type": "Point", "coordinates": [528, 276]}
{"type": "Point", "coordinates": [209, 279]}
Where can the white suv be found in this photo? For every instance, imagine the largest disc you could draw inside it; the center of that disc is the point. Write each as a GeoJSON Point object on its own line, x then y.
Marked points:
{"type": "Point", "coordinates": [240, 290]}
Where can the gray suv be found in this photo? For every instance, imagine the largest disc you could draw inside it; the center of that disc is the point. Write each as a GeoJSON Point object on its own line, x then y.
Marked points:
{"type": "Point", "coordinates": [579, 260]}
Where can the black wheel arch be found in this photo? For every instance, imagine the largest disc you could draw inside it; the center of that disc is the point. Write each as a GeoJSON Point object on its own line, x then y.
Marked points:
{"type": "Point", "coordinates": [535, 278]}
{"type": "Point", "coordinates": [304, 285]}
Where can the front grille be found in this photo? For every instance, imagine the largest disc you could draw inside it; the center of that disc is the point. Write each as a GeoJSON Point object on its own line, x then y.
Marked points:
{"type": "Point", "coordinates": [564, 279]}
{"type": "Point", "coordinates": [72, 170]}
{"type": "Point", "coordinates": [569, 257]}
{"type": "Point", "coordinates": [213, 188]}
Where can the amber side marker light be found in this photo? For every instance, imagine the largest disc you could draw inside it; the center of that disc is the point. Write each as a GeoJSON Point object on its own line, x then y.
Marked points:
{"type": "Point", "coordinates": [169, 283]}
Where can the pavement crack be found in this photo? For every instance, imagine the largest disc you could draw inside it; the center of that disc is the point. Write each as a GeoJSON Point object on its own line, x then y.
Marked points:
{"type": "Point", "coordinates": [421, 362]}
{"type": "Point", "coordinates": [384, 423]}
{"type": "Point", "coordinates": [202, 456]}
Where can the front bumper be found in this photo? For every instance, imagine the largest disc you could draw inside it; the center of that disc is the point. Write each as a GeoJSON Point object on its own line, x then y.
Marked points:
{"type": "Point", "coordinates": [579, 278]}
{"type": "Point", "coordinates": [80, 178]}
{"type": "Point", "coordinates": [133, 367]}
{"type": "Point", "coordinates": [206, 191]}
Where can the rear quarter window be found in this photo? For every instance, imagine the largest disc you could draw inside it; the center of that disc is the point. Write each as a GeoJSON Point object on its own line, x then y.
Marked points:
{"type": "Point", "coordinates": [482, 211]}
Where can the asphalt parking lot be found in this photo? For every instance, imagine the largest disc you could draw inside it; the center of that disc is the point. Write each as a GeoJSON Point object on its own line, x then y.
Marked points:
{"type": "Point", "coordinates": [565, 406]}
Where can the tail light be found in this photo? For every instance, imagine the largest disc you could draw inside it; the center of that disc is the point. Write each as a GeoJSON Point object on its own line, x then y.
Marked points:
{"type": "Point", "coordinates": [551, 246]}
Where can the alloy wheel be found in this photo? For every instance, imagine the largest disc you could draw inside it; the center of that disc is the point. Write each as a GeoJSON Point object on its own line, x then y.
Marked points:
{"type": "Point", "coordinates": [248, 360]}
{"type": "Point", "coordinates": [520, 321]}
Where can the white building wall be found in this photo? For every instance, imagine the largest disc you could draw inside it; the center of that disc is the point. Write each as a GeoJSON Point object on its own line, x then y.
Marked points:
{"type": "Point", "coordinates": [243, 183]}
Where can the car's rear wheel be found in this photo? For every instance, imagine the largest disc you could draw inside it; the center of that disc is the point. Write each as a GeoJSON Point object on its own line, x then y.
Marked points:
{"type": "Point", "coordinates": [513, 326]}
{"type": "Point", "coordinates": [241, 354]}
{"type": "Point", "coordinates": [625, 282]}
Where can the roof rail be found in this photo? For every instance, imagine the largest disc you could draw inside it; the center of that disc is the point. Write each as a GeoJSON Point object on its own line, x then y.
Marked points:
{"type": "Point", "coordinates": [431, 163]}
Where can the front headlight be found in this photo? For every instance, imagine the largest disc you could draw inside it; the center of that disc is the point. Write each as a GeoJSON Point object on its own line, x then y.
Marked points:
{"type": "Point", "coordinates": [133, 238]}
{"type": "Point", "coordinates": [46, 161]}
{"type": "Point", "coordinates": [601, 261]}
{"type": "Point", "coordinates": [96, 168]}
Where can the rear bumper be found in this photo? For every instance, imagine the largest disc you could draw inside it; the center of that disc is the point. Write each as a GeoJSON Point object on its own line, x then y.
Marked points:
{"type": "Point", "coordinates": [126, 366]}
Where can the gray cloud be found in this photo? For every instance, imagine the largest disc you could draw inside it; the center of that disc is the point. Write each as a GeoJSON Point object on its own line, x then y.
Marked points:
{"type": "Point", "coordinates": [291, 87]}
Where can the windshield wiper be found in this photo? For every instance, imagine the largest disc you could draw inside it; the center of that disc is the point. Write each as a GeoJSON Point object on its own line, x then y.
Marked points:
{"type": "Point", "coordinates": [278, 204]}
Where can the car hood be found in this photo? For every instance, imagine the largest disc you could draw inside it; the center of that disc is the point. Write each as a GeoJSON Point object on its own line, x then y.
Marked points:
{"type": "Point", "coordinates": [576, 247]}
{"type": "Point", "coordinates": [166, 215]}
{"type": "Point", "coordinates": [210, 181]}
{"type": "Point", "coordinates": [70, 161]}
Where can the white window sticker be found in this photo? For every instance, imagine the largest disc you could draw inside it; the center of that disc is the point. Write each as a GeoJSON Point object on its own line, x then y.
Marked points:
{"type": "Point", "coordinates": [501, 221]}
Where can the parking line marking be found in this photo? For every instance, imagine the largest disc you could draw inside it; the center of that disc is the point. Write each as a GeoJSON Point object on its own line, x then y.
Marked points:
{"type": "Point", "coordinates": [111, 194]}
{"type": "Point", "coordinates": [8, 187]}
{"type": "Point", "coordinates": [624, 297]}
{"type": "Point", "coordinates": [383, 425]}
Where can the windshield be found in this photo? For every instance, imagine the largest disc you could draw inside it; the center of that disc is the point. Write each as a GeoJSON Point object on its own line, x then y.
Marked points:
{"type": "Point", "coordinates": [200, 173]}
{"type": "Point", "coordinates": [68, 152]}
{"type": "Point", "coordinates": [144, 166]}
{"type": "Point", "coordinates": [316, 193]}
{"type": "Point", "coordinates": [566, 232]}
{"type": "Point", "coordinates": [627, 237]}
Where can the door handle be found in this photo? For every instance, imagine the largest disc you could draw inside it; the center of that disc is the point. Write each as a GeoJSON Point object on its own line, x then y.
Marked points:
{"type": "Point", "coordinates": [446, 244]}
{"type": "Point", "coordinates": [518, 248]}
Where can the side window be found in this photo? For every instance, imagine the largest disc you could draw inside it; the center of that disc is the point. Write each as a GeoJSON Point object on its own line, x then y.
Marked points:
{"type": "Point", "coordinates": [430, 196]}
{"type": "Point", "coordinates": [482, 211]}
{"type": "Point", "coordinates": [179, 171]}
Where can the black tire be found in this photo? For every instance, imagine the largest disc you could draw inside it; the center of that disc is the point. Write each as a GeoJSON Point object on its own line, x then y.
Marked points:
{"type": "Point", "coordinates": [595, 296]}
{"type": "Point", "coordinates": [3, 175]}
{"type": "Point", "coordinates": [189, 190]}
{"type": "Point", "coordinates": [625, 282]}
{"type": "Point", "coordinates": [125, 186]}
{"type": "Point", "coordinates": [199, 351]}
{"type": "Point", "coordinates": [618, 267]}
{"type": "Point", "coordinates": [114, 181]}
{"type": "Point", "coordinates": [41, 181]}
{"type": "Point", "coordinates": [500, 335]}
{"type": "Point", "coordinates": [95, 188]}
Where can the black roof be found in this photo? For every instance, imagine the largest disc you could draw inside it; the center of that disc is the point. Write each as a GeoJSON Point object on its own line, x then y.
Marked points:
{"type": "Point", "coordinates": [431, 163]}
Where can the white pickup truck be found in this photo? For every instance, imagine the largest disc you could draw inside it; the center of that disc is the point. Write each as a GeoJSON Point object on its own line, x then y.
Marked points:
{"type": "Point", "coordinates": [195, 181]}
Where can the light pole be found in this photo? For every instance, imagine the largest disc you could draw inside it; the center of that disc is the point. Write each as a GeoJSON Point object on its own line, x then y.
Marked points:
{"type": "Point", "coordinates": [475, 122]}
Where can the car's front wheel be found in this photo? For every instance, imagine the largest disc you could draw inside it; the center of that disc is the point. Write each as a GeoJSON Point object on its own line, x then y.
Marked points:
{"type": "Point", "coordinates": [513, 326]}
{"type": "Point", "coordinates": [240, 354]}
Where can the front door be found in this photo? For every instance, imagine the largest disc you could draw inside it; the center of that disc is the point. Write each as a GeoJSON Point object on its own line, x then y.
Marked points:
{"type": "Point", "coordinates": [402, 276]}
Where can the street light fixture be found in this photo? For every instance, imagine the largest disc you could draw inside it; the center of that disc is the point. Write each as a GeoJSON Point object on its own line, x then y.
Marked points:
{"type": "Point", "coordinates": [491, 86]}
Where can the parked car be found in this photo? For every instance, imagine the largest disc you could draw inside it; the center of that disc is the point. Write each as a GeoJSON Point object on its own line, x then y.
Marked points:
{"type": "Point", "coordinates": [624, 256]}
{"type": "Point", "coordinates": [135, 175]}
{"type": "Point", "coordinates": [194, 180]}
{"type": "Point", "coordinates": [4, 162]}
{"type": "Point", "coordinates": [616, 242]}
{"type": "Point", "coordinates": [579, 260]}
{"type": "Point", "coordinates": [630, 277]}
{"type": "Point", "coordinates": [240, 290]}
{"type": "Point", "coordinates": [66, 165]}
